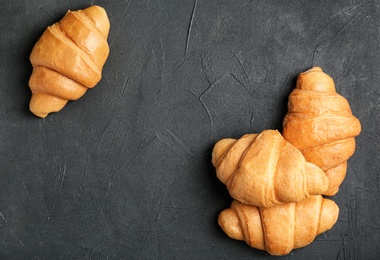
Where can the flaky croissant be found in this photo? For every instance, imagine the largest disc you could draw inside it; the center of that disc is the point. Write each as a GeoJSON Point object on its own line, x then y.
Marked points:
{"type": "Point", "coordinates": [265, 170]}
{"type": "Point", "coordinates": [281, 228]}
{"type": "Point", "coordinates": [320, 123]}
{"type": "Point", "coordinates": [68, 59]}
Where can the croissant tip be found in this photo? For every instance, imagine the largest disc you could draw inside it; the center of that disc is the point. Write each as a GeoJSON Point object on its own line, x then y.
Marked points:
{"type": "Point", "coordinates": [41, 115]}
{"type": "Point", "coordinates": [331, 192]}
{"type": "Point", "coordinates": [315, 79]}
{"type": "Point", "coordinates": [315, 68]}
{"type": "Point", "coordinates": [37, 112]}
{"type": "Point", "coordinates": [328, 216]}
{"type": "Point", "coordinates": [229, 222]}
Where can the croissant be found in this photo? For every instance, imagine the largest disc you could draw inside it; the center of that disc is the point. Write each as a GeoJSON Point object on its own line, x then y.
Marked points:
{"type": "Point", "coordinates": [281, 228]}
{"type": "Point", "coordinates": [265, 170]}
{"type": "Point", "coordinates": [68, 59]}
{"type": "Point", "coordinates": [320, 123]}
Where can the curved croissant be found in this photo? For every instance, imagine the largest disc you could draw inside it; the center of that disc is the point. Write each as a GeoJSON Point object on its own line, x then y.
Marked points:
{"type": "Point", "coordinates": [319, 122]}
{"type": "Point", "coordinates": [265, 170]}
{"type": "Point", "coordinates": [68, 59]}
{"type": "Point", "coordinates": [281, 228]}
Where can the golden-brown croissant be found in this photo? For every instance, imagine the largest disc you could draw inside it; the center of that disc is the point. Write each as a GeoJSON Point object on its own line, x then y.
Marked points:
{"type": "Point", "coordinates": [265, 170]}
{"type": "Point", "coordinates": [320, 123]}
{"type": "Point", "coordinates": [68, 59]}
{"type": "Point", "coordinates": [281, 228]}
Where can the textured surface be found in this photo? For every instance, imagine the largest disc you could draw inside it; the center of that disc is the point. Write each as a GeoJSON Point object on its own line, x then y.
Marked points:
{"type": "Point", "coordinates": [125, 172]}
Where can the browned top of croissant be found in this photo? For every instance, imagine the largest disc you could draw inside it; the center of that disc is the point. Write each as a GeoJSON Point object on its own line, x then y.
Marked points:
{"type": "Point", "coordinates": [319, 114]}
{"type": "Point", "coordinates": [76, 46]}
{"type": "Point", "coordinates": [280, 228]}
{"type": "Point", "coordinates": [68, 59]}
{"type": "Point", "coordinates": [265, 170]}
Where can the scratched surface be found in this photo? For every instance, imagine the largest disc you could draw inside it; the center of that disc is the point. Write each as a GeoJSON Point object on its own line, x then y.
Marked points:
{"type": "Point", "coordinates": [125, 172]}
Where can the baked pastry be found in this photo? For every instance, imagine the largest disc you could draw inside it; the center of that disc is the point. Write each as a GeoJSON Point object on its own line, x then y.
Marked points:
{"type": "Point", "coordinates": [281, 228]}
{"type": "Point", "coordinates": [265, 170]}
{"type": "Point", "coordinates": [68, 59]}
{"type": "Point", "coordinates": [319, 122]}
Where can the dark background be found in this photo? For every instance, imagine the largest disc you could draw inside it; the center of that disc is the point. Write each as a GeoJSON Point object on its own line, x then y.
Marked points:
{"type": "Point", "coordinates": [125, 172]}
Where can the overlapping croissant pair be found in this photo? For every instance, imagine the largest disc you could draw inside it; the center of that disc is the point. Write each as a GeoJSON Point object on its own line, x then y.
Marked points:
{"type": "Point", "coordinates": [278, 181]}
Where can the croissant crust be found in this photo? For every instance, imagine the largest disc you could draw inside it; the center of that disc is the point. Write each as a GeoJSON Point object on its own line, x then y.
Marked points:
{"type": "Point", "coordinates": [265, 170]}
{"type": "Point", "coordinates": [68, 59]}
{"type": "Point", "coordinates": [320, 123]}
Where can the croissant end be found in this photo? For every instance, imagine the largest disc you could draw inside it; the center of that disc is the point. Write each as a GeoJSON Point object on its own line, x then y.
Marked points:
{"type": "Point", "coordinates": [229, 222]}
